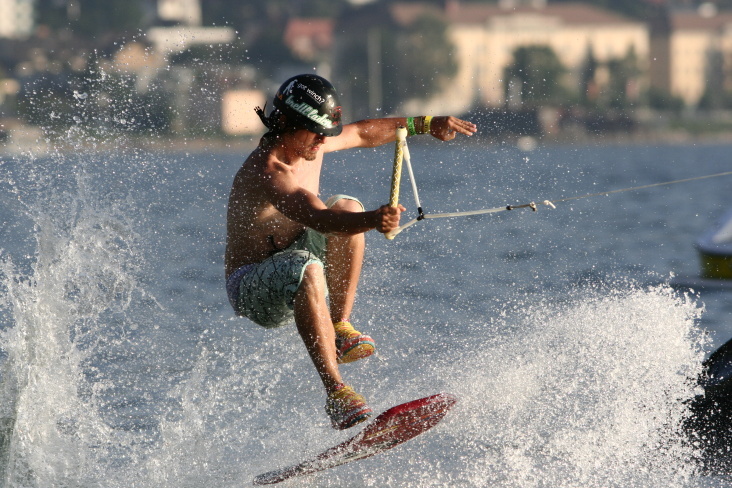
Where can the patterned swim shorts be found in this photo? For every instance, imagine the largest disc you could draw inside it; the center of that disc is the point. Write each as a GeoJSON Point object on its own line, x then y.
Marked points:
{"type": "Point", "coordinates": [264, 292]}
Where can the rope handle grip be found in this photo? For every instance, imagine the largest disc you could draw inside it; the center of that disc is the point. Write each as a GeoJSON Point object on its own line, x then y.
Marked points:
{"type": "Point", "coordinates": [396, 174]}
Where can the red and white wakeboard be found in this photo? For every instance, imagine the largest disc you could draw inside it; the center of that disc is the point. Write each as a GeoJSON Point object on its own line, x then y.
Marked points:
{"type": "Point", "coordinates": [391, 428]}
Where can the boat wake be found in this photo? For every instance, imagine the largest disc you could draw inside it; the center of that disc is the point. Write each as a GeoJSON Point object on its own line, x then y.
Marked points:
{"type": "Point", "coordinates": [103, 386]}
{"type": "Point", "coordinates": [592, 391]}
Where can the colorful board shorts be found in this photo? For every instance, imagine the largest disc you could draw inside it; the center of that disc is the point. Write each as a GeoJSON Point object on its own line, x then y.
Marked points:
{"type": "Point", "coordinates": [264, 292]}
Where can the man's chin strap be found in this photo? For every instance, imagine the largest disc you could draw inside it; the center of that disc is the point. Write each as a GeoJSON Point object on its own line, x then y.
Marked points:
{"type": "Point", "coordinates": [275, 122]}
{"type": "Point", "coordinates": [267, 121]}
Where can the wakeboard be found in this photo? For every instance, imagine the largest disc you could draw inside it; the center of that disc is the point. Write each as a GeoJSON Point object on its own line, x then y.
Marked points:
{"type": "Point", "coordinates": [393, 427]}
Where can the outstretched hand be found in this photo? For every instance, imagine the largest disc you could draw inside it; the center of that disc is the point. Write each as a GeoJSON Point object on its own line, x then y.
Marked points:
{"type": "Point", "coordinates": [445, 128]}
{"type": "Point", "coordinates": [387, 218]}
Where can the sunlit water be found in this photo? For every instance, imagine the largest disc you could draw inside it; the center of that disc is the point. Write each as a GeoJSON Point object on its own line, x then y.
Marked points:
{"type": "Point", "coordinates": [123, 365]}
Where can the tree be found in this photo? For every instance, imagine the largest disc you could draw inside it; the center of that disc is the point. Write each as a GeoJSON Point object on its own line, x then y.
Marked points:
{"type": "Point", "coordinates": [399, 62]}
{"type": "Point", "coordinates": [536, 72]}
{"type": "Point", "coordinates": [622, 88]}
{"type": "Point", "coordinates": [662, 100]}
{"type": "Point", "coordinates": [589, 91]}
{"type": "Point", "coordinates": [424, 60]}
{"type": "Point", "coordinates": [92, 18]}
{"type": "Point", "coordinates": [632, 8]}
{"type": "Point", "coordinates": [715, 95]}
{"type": "Point", "coordinates": [247, 14]}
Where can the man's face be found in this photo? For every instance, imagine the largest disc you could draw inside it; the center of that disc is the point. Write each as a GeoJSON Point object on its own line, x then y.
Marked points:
{"type": "Point", "coordinates": [307, 144]}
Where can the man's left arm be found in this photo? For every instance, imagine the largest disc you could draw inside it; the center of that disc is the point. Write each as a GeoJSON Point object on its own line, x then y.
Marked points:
{"type": "Point", "coordinates": [375, 132]}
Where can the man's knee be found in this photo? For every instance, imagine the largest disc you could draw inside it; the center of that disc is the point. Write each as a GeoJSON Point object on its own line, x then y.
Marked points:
{"type": "Point", "coordinates": [313, 278]}
{"type": "Point", "coordinates": [347, 204]}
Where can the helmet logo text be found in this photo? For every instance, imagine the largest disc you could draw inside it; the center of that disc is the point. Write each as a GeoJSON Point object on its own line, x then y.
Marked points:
{"type": "Point", "coordinates": [309, 112]}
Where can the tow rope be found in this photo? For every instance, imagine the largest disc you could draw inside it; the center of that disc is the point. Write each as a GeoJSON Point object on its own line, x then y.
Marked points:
{"type": "Point", "coordinates": [401, 154]}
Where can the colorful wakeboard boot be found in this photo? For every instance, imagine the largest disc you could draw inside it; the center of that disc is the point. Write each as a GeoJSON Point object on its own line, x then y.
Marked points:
{"type": "Point", "coordinates": [351, 345]}
{"type": "Point", "coordinates": [346, 408]}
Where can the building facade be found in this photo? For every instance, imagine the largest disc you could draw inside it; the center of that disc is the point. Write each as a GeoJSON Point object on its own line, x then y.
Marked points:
{"type": "Point", "coordinates": [692, 54]}
{"type": "Point", "coordinates": [16, 18]}
{"type": "Point", "coordinates": [486, 37]}
{"type": "Point", "coordinates": [186, 12]}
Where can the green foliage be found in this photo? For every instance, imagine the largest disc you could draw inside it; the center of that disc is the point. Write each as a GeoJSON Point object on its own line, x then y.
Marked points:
{"type": "Point", "coordinates": [662, 100]}
{"type": "Point", "coordinates": [261, 26]}
{"type": "Point", "coordinates": [268, 52]}
{"type": "Point", "coordinates": [632, 8]}
{"type": "Point", "coordinates": [91, 18]}
{"type": "Point", "coordinates": [588, 86]}
{"type": "Point", "coordinates": [250, 13]}
{"type": "Point", "coordinates": [715, 99]}
{"type": "Point", "coordinates": [428, 59]}
{"type": "Point", "coordinates": [42, 102]}
{"type": "Point", "coordinates": [624, 75]}
{"type": "Point", "coordinates": [95, 101]}
{"type": "Point", "coordinates": [537, 73]}
{"type": "Point", "coordinates": [234, 54]}
{"type": "Point", "coordinates": [414, 62]}
{"type": "Point", "coordinates": [377, 61]}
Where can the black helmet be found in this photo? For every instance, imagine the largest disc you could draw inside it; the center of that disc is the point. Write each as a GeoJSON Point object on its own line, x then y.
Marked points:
{"type": "Point", "coordinates": [310, 102]}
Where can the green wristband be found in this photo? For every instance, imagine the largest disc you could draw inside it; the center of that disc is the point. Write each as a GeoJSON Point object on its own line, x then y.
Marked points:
{"type": "Point", "coordinates": [410, 126]}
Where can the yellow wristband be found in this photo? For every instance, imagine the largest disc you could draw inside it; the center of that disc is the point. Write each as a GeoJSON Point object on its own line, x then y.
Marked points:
{"type": "Point", "coordinates": [427, 122]}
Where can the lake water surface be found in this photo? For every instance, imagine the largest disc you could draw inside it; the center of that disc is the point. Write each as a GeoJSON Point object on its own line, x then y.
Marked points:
{"type": "Point", "coordinates": [123, 364]}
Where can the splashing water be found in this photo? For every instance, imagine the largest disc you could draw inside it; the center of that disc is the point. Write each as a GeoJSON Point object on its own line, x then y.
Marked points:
{"type": "Point", "coordinates": [82, 275]}
{"type": "Point", "coordinates": [585, 393]}
{"type": "Point", "coordinates": [588, 392]}
{"type": "Point", "coordinates": [121, 367]}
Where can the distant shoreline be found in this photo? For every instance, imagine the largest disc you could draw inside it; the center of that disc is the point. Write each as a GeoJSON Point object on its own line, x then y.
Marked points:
{"type": "Point", "coordinates": [37, 146]}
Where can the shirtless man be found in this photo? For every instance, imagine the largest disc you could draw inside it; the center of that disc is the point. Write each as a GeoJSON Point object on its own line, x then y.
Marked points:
{"type": "Point", "coordinates": [286, 249]}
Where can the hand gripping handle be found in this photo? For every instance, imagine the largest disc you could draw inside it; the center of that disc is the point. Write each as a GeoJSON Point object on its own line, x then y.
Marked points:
{"type": "Point", "coordinates": [396, 174]}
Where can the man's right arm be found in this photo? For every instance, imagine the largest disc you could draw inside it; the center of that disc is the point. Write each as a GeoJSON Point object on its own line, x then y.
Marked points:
{"type": "Point", "coordinates": [376, 132]}
{"type": "Point", "coordinates": [303, 206]}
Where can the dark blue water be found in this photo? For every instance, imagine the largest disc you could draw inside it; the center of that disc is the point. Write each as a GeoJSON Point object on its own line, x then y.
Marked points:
{"type": "Point", "coordinates": [123, 364]}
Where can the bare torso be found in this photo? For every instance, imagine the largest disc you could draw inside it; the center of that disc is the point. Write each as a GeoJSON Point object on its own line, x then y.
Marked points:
{"type": "Point", "coordinates": [282, 176]}
{"type": "Point", "coordinates": [255, 228]}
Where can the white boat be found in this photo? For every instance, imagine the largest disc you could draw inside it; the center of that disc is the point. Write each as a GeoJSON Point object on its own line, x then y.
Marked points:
{"type": "Point", "coordinates": [715, 250]}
